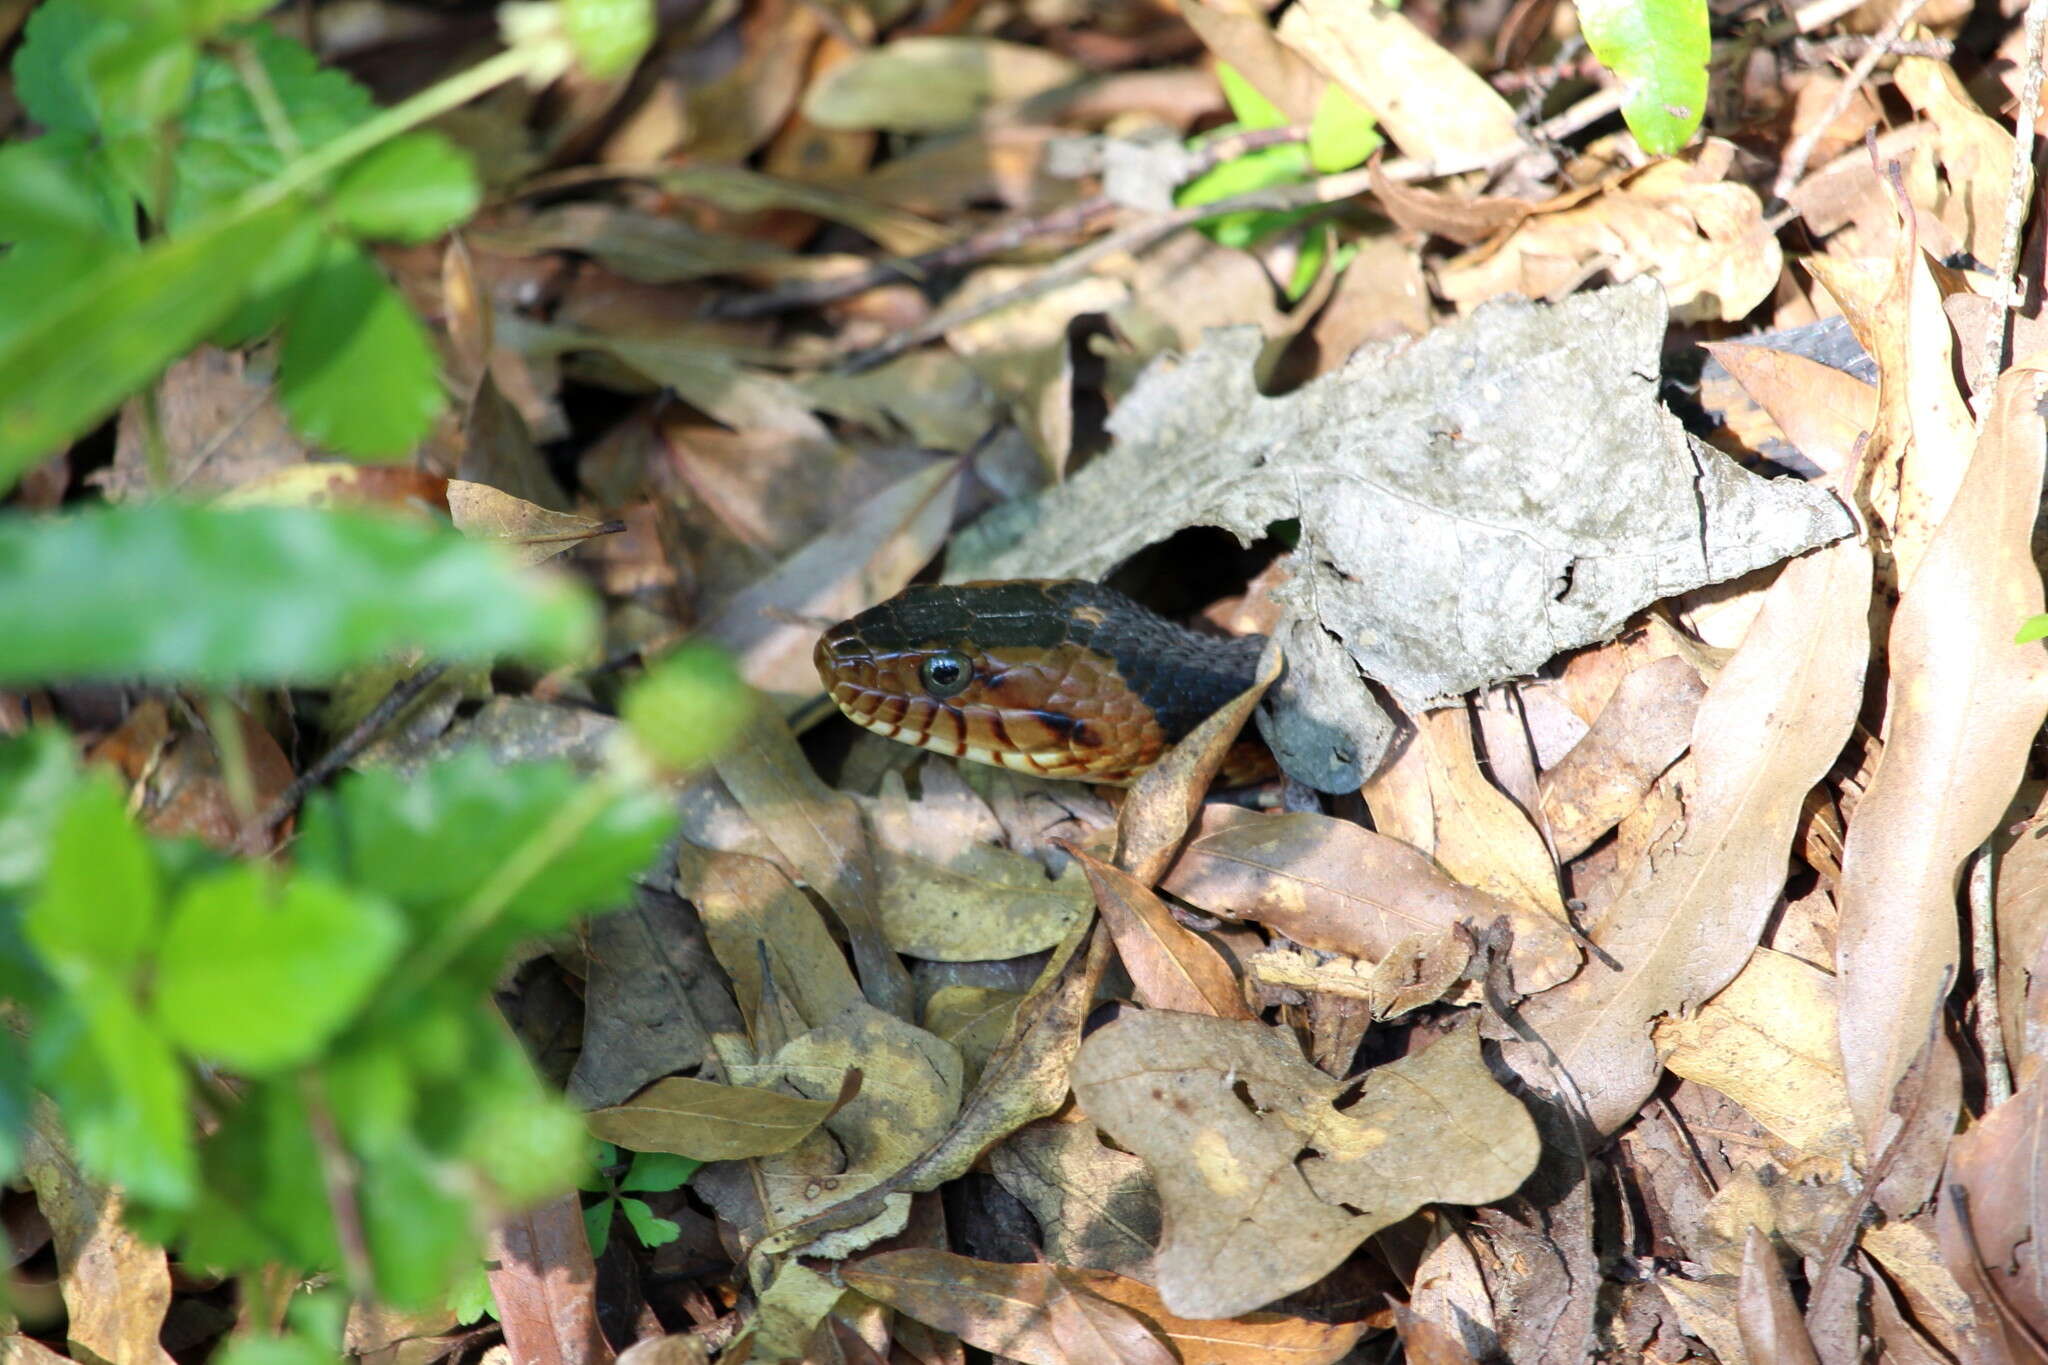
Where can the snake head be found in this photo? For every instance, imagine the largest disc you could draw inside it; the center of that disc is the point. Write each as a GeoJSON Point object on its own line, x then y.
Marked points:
{"type": "Point", "coordinates": [1000, 673]}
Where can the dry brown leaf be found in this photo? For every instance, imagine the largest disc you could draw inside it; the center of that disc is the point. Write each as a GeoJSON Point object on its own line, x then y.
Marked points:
{"type": "Point", "coordinates": [1466, 221]}
{"type": "Point", "coordinates": [1821, 410]}
{"type": "Point", "coordinates": [1001, 1308]}
{"type": "Point", "coordinates": [1685, 921]}
{"type": "Point", "coordinates": [1023, 352]}
{"type": "Point", "coordinates": [545, 1286]}
{"type": "Point", "coordinates": [531, 532]}
{"type": "Point", "coordinates": [1172, 967]}
{"type": "Point", "coordinates": [218, 418]}
{"type": "Point", "coordinates": [819, 830]}
{"type": "Point", "coordinates": [1167, 797]}
{"type": "Point", "coordinates": [1248, 1218]}
{"type": "Point", "coordinates": [1341, 888]}
{"type": "Point", "coordinates": [1920, 444]}
{"type": "Point", "coordinates": [1094, 1204]}
{"type": "Point", "coordinates": [1964, 702]}
{"type": "Point", "coordinates": [1432, 105]}
{"type": "Point", "coordinates": [711, 1122]}
{"type": "Point", "coordinates": [1973, 150]}
{"type": "Point", "coordinates": [864, 558]}
{"type": "Point", "coordinates": [1381, 296]}
{"type": "Point", "coordinates": [1415, 972]}
{"type": "Point", "coordinates": [922, 84]}
{"type": "Point", "coordinates": [116, 1286]}
{"type": "Point", "coordinates": [1644, 727]}
{"type": "Point", "coordinates": [1426, 1343]}
{"type": "Point", "coordinates": [1087, 1329]}
{"type": "Point", "coordinates": [1992, 1210]}
{"type": "Point", "coordinates": [1483, 838]}
{"type": "Point", "coordinates": [1702, 237]}
{"type": "Point", "coordinates": [1772, 1328]}
{"type": "Point", "coordinates": [678, 1348]}
{"type": "Point", "coordinates": [1768, 1042]}
{"type": "Point", "coordinates": [1246, 40]}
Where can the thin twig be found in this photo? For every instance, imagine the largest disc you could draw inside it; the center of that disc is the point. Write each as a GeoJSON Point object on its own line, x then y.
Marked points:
{"type": "Point", "coordinates": [402, 694]}
{"type": "Point", "coordinates": [2021, 191]}
{"type": "Point", "coordinates": [1984, 957]}
{"type": "Point", "coordinates": [1823, 51]}
{"type": "Point", "coordinates": [1147, 232]}
{"type": "Point", "coordinates": [994, 241]}
{"type": "Point", "coordinates": [1793, 168]}
{"type": "Point", "coordinates": [338, 1178]}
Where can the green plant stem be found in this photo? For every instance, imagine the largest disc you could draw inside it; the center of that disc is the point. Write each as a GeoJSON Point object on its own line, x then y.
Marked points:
{"type": "Point", "coordinates": [431, 103]}
{"type": "Point", "coordinates": [277, 126]}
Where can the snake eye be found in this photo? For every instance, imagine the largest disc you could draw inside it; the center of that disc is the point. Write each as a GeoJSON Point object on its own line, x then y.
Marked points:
{"type": "Point", "coordinates": [946, 675]}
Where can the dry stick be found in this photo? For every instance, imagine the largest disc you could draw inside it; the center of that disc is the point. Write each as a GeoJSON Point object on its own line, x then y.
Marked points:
{"type": "Point", "coordinates": [402, 694]}
{"type": "Point", "coordinates": [2021, 188]}
{"type": "Point", "coordinates": [1984, 956]}
{"type": "Point", "coordinates": [1147, 232]}
{"type": "Point", "coordinates": [1793, 168]}
{"type": "Point", "coordinates": [992, 242]}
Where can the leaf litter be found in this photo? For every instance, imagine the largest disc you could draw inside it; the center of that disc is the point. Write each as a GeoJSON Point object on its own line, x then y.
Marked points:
{"type": "Point", "coordinates": [1613, 975]}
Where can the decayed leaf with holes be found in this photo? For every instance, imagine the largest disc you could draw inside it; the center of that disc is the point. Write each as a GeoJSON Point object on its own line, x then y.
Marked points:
{"type": "Point", "coordinates": [1964, 700]}
{"type": "Point", "coordinates": [1685, 920]}
{"type": "Point", "coordinates": [1223, 1112]}
{"type": "Point", "coordinates": [1639, 733]}
{"type": "Point", "coordinates": [1003, 1309]}
{"type": "Point", "coordinates": [1339, 887]}
{"type": "Point", "coordinates": [1699, 235]}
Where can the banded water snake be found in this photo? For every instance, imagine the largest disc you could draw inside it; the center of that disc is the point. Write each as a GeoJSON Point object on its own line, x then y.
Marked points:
{"type": "Point", "coordinates": [1057, 678]}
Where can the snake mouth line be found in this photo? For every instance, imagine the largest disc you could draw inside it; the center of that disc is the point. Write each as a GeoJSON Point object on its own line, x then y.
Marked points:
{"type": "Point", "coordinates": [1042, 763]}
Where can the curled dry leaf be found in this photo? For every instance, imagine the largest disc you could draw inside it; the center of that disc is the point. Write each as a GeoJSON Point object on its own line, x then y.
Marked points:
{"type": "Point", "coordinates": [1771, 1325]}
{"type": "Point", "coordinates": [1685, 921]}
{"type": "Point", "coordinates": [1172, 967]}
{"type": "Point", "coordinates": [1641, 731]}
{"type": "Point", "coordinates": [1250, 1214]}
{"type": "Point", "coordinates": [1003, 1309]}
{"type": "Point", "coordinates": [1964, 702]}
{"type": "Point", "coordinates": [1700, 236]}
{"type": "Point", "coordinates": [530, 531]}
{"type": "Point", "coordinates": [1341, 888]}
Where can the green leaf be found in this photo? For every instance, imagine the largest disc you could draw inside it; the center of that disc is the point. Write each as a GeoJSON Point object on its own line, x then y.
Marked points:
{"type": "Point", "coordinates": [17, 1094]}
{"type": "Point", "coordinates": [471, 1299]}
{"type": "Point", "coordinates": [290, 1349]}
{"type": "Point", "coordinates": [2032, 629]}
{"type": "Point", "coordinates": [420, 1226]}
{"type": "Point", "coordinates": [141, 78]}
{"type": "Point", "coordinates": [37, 775]}
{"type": "Point", "coordinates": [399, 838]}
{"type": "Point", "coordinates": [263, 1199]}
{"type": "Point", "coordinates": [224, 148]}
{"type": "Point", "coordinates": [49, 69]}
{"type": "Point", "coordinates": [659, 1172]}
{"type": "Point", "coordinates": [89, 346]}
{"type": "Point", "coordinates": [1658, 49]}
{"type": "Point", "coordinates": [101, 907]}
{"type": "Point", "coordinates": [358, 373]}
{"type": "Point", "coordinates": [597, 1223]}
{"type": "Point", "coordinates": [652, 1231]}
{"type": "Point", "coordinates": [412, 189]}
{"type": "Point", "coordinates": [1343, 133]}
{"type": "Point", "coordinates": [689, 707]}
{"type": "Point", "coordinates": [1286, 164]}
{"type": "Point", "coordinates": [1308, 266]}
{"type": "Point", "coordinates": [272, 593]}
{"type": "Point", "coordinates": [119, 1088]}
{"type": "Point", "coordinates": [260, 977]}
{"type": "Point", "coordinates": [48, 189]}
{"type": "Point", "coordinates": [1252, 109]}
{"type": "Point", "coordinates": [609, 35]}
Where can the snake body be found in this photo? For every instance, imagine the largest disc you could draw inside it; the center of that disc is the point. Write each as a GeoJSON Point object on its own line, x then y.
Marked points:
{"type": "Point", "coordinates": [1054, 678]}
